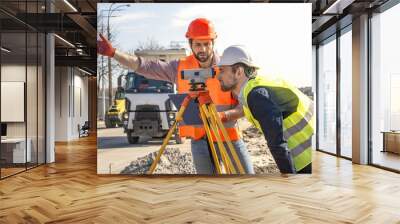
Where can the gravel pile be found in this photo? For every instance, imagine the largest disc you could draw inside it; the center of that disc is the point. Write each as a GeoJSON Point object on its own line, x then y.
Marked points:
{"type": "Point", "coordinates": [259, 152]}
{"type": "Point", "coordinates": [175, 162]}
{"type": "Point", "coordinates": [172, 162]}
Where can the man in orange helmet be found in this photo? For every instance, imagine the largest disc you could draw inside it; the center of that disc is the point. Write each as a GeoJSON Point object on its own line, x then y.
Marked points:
{"type": "Point", "coordinates": [201, 36]}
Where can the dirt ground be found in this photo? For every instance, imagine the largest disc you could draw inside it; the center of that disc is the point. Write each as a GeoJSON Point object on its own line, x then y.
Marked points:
{"type": "Point", "coordinates": [176, 161]}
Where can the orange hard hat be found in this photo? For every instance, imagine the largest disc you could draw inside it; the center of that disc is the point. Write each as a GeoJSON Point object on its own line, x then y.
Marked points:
{"type": "Point", "coordinates": [201, 29]}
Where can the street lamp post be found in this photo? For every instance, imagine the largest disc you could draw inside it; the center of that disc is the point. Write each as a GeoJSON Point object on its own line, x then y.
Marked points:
{"type": "Point", "coordinates": [102, 78]}
{"type": "Point", "coordinates": [110, 11]}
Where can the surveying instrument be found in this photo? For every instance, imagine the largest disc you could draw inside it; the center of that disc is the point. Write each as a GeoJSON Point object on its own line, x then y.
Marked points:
{"type": "Point", "coordinates": [212, 123]}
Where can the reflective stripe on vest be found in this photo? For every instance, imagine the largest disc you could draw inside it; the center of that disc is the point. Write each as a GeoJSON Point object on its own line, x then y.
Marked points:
{"type": "Point", "coordinates": [297, 127]}
{"type": "Point", "coordinates": [301, 124]}
{"type": "Point", "coordinates": [301, 147]}
{"type": "Point", "coordinates": [222, 100]}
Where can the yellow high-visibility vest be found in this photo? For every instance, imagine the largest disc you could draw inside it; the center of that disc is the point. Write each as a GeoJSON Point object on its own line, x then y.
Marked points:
{"type": "Point", "coordinates": [298, 127]}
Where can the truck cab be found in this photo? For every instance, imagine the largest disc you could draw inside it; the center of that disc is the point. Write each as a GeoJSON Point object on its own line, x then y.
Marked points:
{"type": "Point", "coordinates": [148, 109]}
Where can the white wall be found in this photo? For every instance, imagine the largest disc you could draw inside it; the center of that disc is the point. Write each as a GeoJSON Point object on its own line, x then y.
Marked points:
{"type": "Point", "coordinates": [71, 94]}
{"type": "Point", "coordinates": [33, 126]}
{"type": "Point", "coordinates": [12, 73]}
{"type": "Point", "coordinates": [81, 94]}
{"type": "Point", "coordinates": [61, 103]}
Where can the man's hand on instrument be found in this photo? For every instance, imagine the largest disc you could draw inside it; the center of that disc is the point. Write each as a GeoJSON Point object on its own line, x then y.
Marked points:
{"type": "Point", "coordinates": [104, 47]}
{"type": "Point", "coordinates": [223, 116]}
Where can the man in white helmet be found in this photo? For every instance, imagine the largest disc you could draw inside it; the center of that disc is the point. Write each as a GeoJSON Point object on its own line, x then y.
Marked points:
{"type": "Point", "coordinates": [280, 111]}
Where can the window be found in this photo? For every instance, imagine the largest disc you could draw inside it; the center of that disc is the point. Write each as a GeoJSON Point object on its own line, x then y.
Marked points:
{"type": "Point", "coordinates": [346, 93]}
{"type": "Point", "coordinates": [138, 83]}
{"type": "Point", "coordinates": [327, 96]}
{"type": "Point", "coordinates": [22, 64]}
{"type": "Point", "coordinates": [385, 88]}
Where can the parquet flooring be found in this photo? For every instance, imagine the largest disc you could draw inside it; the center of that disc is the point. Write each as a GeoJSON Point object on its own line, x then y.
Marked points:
{"type": "Point", "coordinates": [70, 191]}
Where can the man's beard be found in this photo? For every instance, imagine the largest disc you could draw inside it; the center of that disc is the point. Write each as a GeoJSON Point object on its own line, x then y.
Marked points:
{"type": "Point", "coordinates": [226, 88]}
{"type": "Point", "coordinates": [202, 57]}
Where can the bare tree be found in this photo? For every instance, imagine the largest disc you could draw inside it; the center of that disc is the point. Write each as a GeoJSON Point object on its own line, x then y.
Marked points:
{"type": "Point", "coordinates": [149, 44]}
{"type": "Point", "coordinates": [102, 62]}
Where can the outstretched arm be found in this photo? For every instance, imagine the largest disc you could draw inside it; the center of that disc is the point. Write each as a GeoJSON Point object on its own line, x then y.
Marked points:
{"type": "Point", "coordinates": [151, 69]}
{"type": "Point", "coordinates": [104, 47]}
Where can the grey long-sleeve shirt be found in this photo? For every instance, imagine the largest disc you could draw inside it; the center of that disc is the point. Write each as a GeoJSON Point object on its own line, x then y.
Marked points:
{"type": "Point", "coordinates": [161, 70]}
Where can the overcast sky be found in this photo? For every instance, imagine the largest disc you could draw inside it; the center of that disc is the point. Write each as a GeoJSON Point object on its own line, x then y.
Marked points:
{"type": "Point", "coordinates": [277, 35]}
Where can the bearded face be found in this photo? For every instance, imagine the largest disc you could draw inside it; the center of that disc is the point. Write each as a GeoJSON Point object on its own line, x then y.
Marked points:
{"type": "Point", "coordinates": [202, 50]}
{"type": "Point", "coordinates": [227, 78]}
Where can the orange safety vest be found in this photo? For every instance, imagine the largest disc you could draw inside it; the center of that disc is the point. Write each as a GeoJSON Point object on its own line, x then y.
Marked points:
{"type": "Point", "coordinates": [222, 100]}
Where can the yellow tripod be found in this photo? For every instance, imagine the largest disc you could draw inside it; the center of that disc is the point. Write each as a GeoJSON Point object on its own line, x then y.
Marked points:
{"type": "Point", "coordinates": [212, 125]}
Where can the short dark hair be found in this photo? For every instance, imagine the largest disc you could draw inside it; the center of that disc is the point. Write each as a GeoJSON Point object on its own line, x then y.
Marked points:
{"type": "Point", "coordinates": [250, 72]}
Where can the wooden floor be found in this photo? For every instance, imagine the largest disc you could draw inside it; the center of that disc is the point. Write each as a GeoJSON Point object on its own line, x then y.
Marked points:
{"type": "Point", "coordinates": [10, 171]}
{"type": "Point", "coordinates": [387, 159]}
{"type": "Point", "coordinates": [70, 191]}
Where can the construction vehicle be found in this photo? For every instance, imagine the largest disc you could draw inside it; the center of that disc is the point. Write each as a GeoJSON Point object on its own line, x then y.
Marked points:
{"type": "Point", "coordinates": [113, 117]}
{"type": "Point", "coordinates": [148, 110]}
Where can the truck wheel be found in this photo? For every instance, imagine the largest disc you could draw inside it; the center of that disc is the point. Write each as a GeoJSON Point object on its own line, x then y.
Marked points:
{"type": "Point", "coordinates": [132, 139]}
{"type": "Point", "coordinates": [108, 123]}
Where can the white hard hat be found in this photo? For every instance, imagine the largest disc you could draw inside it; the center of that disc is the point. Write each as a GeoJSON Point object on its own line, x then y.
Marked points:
{"type": "Point", "coordinates": [236, 54]}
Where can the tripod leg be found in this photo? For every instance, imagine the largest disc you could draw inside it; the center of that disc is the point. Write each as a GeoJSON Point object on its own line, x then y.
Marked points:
{"type": "Point", "coordinates": [179, 117]}
{"type": "Point", "coordinates": [209, 137]}
{"type": "Point", "coordinates": [221, 126]}
{"type": "Point", "coordinates": [225, 157]}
